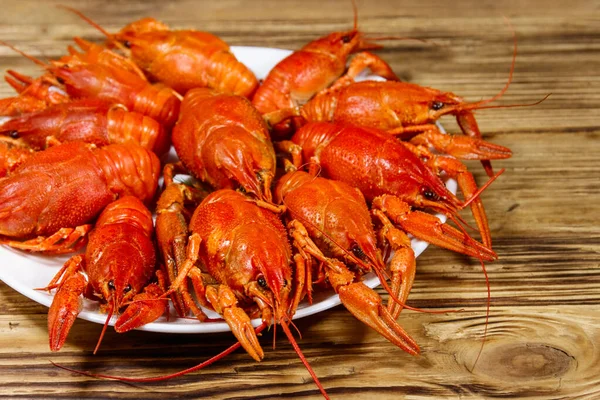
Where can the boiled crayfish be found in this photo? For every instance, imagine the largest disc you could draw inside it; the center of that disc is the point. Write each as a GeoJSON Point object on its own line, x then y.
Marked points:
{"type": "Point", "coordinates": [47, 203]}
{"type": "Point", "coordinates": [118, 262]}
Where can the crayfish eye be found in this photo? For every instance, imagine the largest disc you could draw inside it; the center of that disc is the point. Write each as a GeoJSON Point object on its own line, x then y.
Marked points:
{"type": "Point", "coordinates": [111, 284]}
{"type": "Point", "coordinates": [127, 44]}
{"type": "Point", "coordinates": [14, 134]}
{"type": "Point", "coordinates": [437, 105]}
{"type": "Point", "coordinates": [127, 288]}
{"type": "Point", "coordinates": [60, 80]}
{"type": "Point", "coordinates": [429, 194]}
{"type": "Point", "coordinates": [358, 252]}
{"type": "Point", "coordinates": [346, 39]}
{"type": "Point", "coordinates": [262, 282]}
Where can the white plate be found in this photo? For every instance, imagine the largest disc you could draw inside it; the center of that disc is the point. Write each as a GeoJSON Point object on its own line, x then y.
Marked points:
{"type": "Point", "coordinates": [25, 272]}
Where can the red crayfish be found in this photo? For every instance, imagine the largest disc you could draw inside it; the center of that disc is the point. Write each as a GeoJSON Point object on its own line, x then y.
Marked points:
{"type": "Point", "coordinates": [54, 194]}
{"type": "Point", "coordinates": [118, 263]}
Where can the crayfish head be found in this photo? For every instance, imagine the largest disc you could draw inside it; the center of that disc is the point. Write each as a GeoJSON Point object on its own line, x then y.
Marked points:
{"type": "Point", "coordinates": [118, 289]}
{"type": "Point", "coordinates": [118, 271]}
{"type": "Point", "coordinates": [80, 80]}
{"type": "Point", "coordinates": [444, 103]}
{"type": "Point", "coordinates": [437, 198]}
{"type": "Point", "coordinates": [272, 286]}
{"type": "Point", "coordinates": [364, 253]}
{"type": "Point", "coordinates": [339, 44]}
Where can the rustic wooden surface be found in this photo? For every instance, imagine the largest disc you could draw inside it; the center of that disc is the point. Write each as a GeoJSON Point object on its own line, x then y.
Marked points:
{"type": "Point", "coordinates": [544, 326]}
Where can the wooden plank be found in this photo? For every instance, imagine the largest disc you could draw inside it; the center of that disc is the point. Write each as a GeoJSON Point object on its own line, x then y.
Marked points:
{"type": "Point", "coordinates": [528, 353]}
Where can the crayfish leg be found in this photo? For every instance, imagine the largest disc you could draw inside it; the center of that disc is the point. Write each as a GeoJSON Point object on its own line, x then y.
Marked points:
{"type": "Point", "coordinates": [466, 182]}
{"type": "Point", "coordinates": [429, 228]}
{"type": "Point", "coordinates": [195, 277]}
{"type": "Point", "coordinates": [291, 148]}
{"type": "Point", "coordinates": [301, 281]}
{"type": "Point", "coordinates": [65, 240]}
{"type": "Point", "coordinates": [468, 124]}
{"type": "Point", "coordinates": [172, 231]}
{"type": "Point", "coordinates": [359, 63]}
{"type": "Point", "coordinates": [362, 302]}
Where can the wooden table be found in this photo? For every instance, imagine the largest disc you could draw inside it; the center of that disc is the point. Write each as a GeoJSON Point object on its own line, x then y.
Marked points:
{"type": "Point", "coordinates": [544, 326]}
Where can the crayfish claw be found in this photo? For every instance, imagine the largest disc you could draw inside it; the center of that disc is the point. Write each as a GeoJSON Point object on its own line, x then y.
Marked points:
{"type": "Point", "coordinates": [224, 301]}
{"type": "Point", "coordinates": [462, 147]}
{"type": "Point", "coordinates": [145, 307]}
{"type": "Point", "coordinates": [65, 308]}
{"type": "Point", "coordinates": [367, 306]}
{"type": "Point", "coordinates": [242, 328]}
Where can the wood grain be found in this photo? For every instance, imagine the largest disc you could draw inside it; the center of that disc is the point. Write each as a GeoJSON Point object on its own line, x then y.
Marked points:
{"type": "Point", "coordinates": [544, 327]}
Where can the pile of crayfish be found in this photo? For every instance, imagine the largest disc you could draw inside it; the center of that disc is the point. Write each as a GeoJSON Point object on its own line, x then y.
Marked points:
{"type": "Point", "coordinates": [302, 183]}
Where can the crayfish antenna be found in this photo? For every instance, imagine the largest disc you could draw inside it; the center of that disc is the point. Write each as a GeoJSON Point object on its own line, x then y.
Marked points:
{"type": "Point", "coordinates": [487, 314]}
{"type": "Point", "coordinates": [380, 38]}
{"type": "Point", "coordinates": [489, 294]}
{"type": "Point", "coordinates": [110, 313]}
{"type": "Point", "coordinates": [481, 189]}
{"type": "Point", "coordinates": [29, 57]}
{"type": "Point", "coordinates": [87, 19]}
{"type": "Point", "coordinates": [204, 364]}
{"type": "Point", "coordinates": [386, 287]}
{"type": "Point", "coordinates": [355, 11]}
{"type": "Point", "coordinates": [288, 333]}
{"type": "Point", "coordinates": [535, 103]}
{"type": "Point", "coordinates": [480, 103]}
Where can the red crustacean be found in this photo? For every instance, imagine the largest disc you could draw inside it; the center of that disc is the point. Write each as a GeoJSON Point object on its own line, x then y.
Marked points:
{"type": "Point", "coordinates": [336, 217]}
{"type": "Point", "coordinates": [182, 59]}
{"type": "Point", "coordinates": [118, 262]}
{"type": "Point", "coordinates": [110, 77]}
{"type": "Point", "coordinates": [407, 110]}
{"type": "Point", "coordinates": [239, 260]}
{"type": "Point", "coordinates": [378, 164]}
{"type": "Point", "coordinates": [186, 59]}
{"type": "Point", "coordinates": [58, 191]}
{"type": "Point", "coordinates": [223, 141]}
{"type": "Point", "coordinates": [244, 249]}
{"type": "Point", "coordinates": [314, 68]}
{"type": "Point", "coordinates": [119, 86]}
{"type": "Point", "coordinates": [91, 121]}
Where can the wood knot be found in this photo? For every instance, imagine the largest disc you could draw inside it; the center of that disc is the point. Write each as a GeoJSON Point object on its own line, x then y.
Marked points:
{"type": "Point", "coordinates": [528, 361]}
